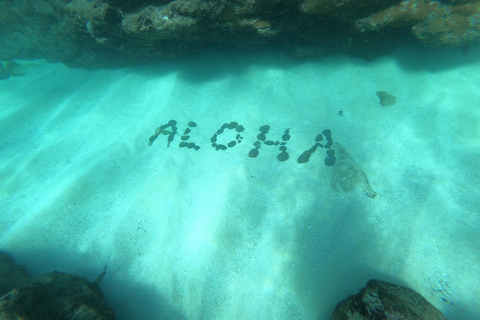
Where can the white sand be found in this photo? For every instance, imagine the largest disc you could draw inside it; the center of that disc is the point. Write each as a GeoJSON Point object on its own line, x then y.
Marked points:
{"type": "Point", "coordinates": [215, 234]}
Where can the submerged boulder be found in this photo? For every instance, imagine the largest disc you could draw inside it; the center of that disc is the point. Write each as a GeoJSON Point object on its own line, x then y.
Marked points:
{"type": "Point", "coordinates": [383, 300]}
{"type": "Point", "coordinates": [53, 295]}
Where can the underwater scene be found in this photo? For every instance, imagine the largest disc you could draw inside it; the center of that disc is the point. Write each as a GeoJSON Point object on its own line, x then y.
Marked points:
{"type": "Point", "coordinates": [248, 186]}
{"type": "Point", "coordinates": [248, 159]}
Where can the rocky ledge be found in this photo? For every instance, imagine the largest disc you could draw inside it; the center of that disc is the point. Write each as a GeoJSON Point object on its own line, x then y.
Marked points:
{"type": "Point", "coordinates": [51, 295]}
{"type": "Point", "coordinates": [99, 33]}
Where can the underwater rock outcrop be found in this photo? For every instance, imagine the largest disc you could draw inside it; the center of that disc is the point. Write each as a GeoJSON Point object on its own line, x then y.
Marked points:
{"type": "Point", "coordinates": [51, 295]}
{"type": "Point", "coordinates": [383, 300]}
{"type": "Point", "coordinates": [99, 33]}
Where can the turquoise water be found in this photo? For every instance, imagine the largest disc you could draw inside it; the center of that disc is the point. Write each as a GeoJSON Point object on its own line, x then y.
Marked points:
{"type": "Point", "coordinates": [204, 234]}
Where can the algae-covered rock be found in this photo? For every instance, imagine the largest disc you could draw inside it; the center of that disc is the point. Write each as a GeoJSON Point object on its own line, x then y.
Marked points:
{"type": "Point", "coordinates": [386, 99]}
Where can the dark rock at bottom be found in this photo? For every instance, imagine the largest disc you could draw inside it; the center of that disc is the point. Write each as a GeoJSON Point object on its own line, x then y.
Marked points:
{"type": "Point", "coordinates": [51, 295]}
{"type": "Point", "coordinates": [383, 300]}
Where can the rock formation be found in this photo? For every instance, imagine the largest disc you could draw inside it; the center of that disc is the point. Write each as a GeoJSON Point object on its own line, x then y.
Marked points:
{"type": "Point", "coordinates": [383, 300]}
{"type": "Point", "coordinates": [99, 33]}
{"type": "Point", "coordinates": [51, 295]}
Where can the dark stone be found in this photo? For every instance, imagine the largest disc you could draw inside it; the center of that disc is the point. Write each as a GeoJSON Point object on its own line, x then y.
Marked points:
{"type": "Point", "coordinates": [261, 136]}
{"type": "Point", "coordinates": [286, 137]}
{"type": "Point", "coordinates": [329, 144]}
{"type": "Point", "coordinates": [264, 129]}
{"type": "Point", "coordinates": [51, 295]}
{"type": "Point", "coordinates": [213, 139]}
{"type": "Point", "coordinates": [318, 138]}
{"type": "Point", "coordinates": [319, 145]}
{"type": "Point", "coordinates": [237, 136]}
{"type": "Point", "coordinates": [231, 144]}
{"type": "Point", "coordinates": [283, 143]}
{"type": "Point", "coordinates": [170, 138]}
{"type": "Point", "coordinates": [253, 153]}
{"type": "Point", "coordinates": [277, 143]}
{"type": "Point", "coordinates": [283, 156]}
{"type": "Point", "coordinates": [219, 131]}
{"type": "Point", "coordinates": [232, 125]}
{"type": "Point", "coordinates": [330, 161]}
{"type": "Point", "coordinates": [240, 129]}
{"type": "Point", "coordinates": [192, 124]}
{"type": "Point", "coordinates": [185, 138]}
{"type": "Point", "coordinates": [172, 123]}
{"type": "Point", "coordinates": [182, 144]}
{"type": "Point", "coordinates": [269, 142]}
{"type": "Point", "coordinates": [383, 300]}
{"type": "Point", "coordinates": [152, 138]}
{"type": "Point", "coordinates": [304, 157]}
{"type": "Point", "coordinates": [190, 145]}
{"type": "Point", "coordinates": [224, 126]}
{"type": "Point", "coordinates": [196, 147]}
{"type": "Point", "coordinates": [313, 149]}
{"type": "Point", "coordinates": [257, 144]}
{"type": "Point", "coordinates": [187, 131]}
{"type": "Point", "coordinates": [214, 145]}
{"type": "Point", "coordinates": [287, 131]}
{"type": "Point", "coordinates": [327, 133]}
{"type": "Point", "coordinates": [283, 148]}
{"type": "Point", "coordinates": [221, 147]}
{"type": "Point", "coordinates": [330, 153]}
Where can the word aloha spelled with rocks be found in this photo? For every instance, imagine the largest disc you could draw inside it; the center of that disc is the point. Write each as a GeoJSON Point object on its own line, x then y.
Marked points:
{"type": "Point", "coordinates": [170, 129]}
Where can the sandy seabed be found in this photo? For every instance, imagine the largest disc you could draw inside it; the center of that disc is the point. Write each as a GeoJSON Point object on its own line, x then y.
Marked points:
{"type": "Point", "coordinates": [218, 235]}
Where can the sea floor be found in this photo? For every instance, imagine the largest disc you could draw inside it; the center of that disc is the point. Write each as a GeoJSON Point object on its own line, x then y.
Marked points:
{"type": "Point", "coordinates": [206, 234]}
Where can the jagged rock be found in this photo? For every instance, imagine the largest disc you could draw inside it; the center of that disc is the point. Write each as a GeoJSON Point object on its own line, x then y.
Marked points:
{"type": "Point", "coordinates": [450, 24]}
{"type": "Point", "coordinates": [52, 295]}
{"type": "Point", "coordinates": [99, 33]}
{"type": "Point", "coordinates": [383, 300]}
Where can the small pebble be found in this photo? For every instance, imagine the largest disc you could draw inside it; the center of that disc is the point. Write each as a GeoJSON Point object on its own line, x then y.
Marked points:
{"type": "Point", "coordinates": [240, 129]}
{"type": "Point", "coordinates": [152, 138]}
{"type": "Point", "coordinates": [327, 133]}
{"type": "Point", "coordinates": [257, 144]}
{"type": "Point", "coordinates": [286, 137]}
{"type": "Point", "coordinates": [269, 142]}
{"type": "Point", "coordinates": [237, 136]}
{"type": "Point", "coordinates": [219, 131]}
{"type": "Point", "coordinates": [187, 131]}
{"type": "Point", "coordinates": [304, 157]}
{"type": "Point", "coordinates": [225, 126]}
{"type": "Point", "coordinates": [190, 145]}
{"type": "Point", "coordinates": [172, 123]}
{"type": "Point", "coordinates": [182, 144]}
{"type": "Point", "coordinates": [283, 156]}
{"type": "Point", "coordinates": [264, 129]}
{"type": "Point", "coordinates": [330, 153]}
{"type": "Point", "coordinates": [253, 153]}
{"type": "Point", "coordinates": [261, 136]}
{"type": "Point", "coordinates": [213, 139]}
{"type": "Point", "coordinates": [319, 138]}
{"type": "Point", "coordinates": [231, 144]}
{"type": "Point", "coordinates": [313, 149]}
{"type": "Point", "coordinates": [283, 148]}
{"type": "Point", "coordinates": [196, 147]}
{"type": "Point", "coordinates": [185, 138]}
{"type": "Point", "coordinates": [221, 147]}
{"type": "Point", "coordinates": [232, 125]}
{"type": "Point", "coordinates": [330, 161]}
{"type": "Point", "coordinates": [192, 124]}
